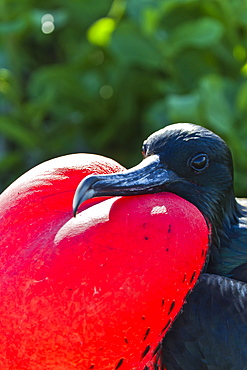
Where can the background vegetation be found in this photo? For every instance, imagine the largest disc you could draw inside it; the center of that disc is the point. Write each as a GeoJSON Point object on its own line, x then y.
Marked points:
{"type": "Point", "coordinates": [100, 75]}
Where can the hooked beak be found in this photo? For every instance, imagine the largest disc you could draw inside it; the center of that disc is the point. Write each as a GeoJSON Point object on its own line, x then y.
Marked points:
{"type": "Point", "coordinates": [150, 176]}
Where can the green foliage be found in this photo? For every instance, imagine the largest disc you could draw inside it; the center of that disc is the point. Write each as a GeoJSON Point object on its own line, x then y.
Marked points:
{"type": "Point", "coordinates": [102, 75]}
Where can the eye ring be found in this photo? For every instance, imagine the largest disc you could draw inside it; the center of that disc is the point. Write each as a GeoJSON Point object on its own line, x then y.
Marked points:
{"type": "Point", "coordinates": [199, 162]}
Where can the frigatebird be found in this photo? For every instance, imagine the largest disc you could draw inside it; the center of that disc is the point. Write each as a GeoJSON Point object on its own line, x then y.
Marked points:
{"type": "Point", "coordinates": [196, 164]}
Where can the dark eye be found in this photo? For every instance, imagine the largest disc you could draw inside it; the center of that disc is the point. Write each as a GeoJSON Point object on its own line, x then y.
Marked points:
{"type": "Point", "coordinates": [199, 162]}
{"type": "Point", "coordinates": [144, 149]}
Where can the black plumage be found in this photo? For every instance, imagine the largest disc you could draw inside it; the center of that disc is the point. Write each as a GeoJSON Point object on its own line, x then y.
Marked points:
{"type": "Point", "coordinates": [196, 164]}
{"type": "Point", "coordinates": [211, 332]}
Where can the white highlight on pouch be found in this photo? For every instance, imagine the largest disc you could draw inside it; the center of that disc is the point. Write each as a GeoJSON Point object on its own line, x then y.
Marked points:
{"type": "Point", "coordinates": [158, 209]}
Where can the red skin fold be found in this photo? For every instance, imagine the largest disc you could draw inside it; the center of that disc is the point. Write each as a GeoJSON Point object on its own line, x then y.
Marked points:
{"type": "Point", "coordinates": [97, 291]}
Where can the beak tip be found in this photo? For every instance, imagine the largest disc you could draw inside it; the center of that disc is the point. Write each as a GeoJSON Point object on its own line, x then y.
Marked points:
{"type": "Point", "coordinates": [75, 207]}
{"type": "Point", "coordinates": [82, 193]}
{"type": "Point", "coordinates": [74, 212]}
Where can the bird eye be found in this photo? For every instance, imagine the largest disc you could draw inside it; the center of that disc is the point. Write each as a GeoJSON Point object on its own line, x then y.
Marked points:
{"type": "Point", "coordinates": [199, 162]}
{"type": "Point", "coordinates": [144, 149]}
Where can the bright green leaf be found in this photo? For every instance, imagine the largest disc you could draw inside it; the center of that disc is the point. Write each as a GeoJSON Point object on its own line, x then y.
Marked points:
{"type": "Point", "coordinates": [100, 32]}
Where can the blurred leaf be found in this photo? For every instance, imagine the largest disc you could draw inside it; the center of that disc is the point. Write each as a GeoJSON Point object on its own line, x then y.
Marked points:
{"type": "Point", "coordinates": [117, 9]}
{"type": "Point", "coordinates": [156, 116]}
{"type": "Point", "coordinates": [241, 99]}
{"type": "Point", "coordinates": [13, 130]}
{"type": "Point", "coordinates": [146, 64]}
{"type": "Point", "coordinates": [216, 106]}
{"type": "Point", "coordinates": [12, 27]}
{"type": "Point", "coordinates": [85, 12]}
{"type": "Point", "coordinates": [132, 47]}
{"type": "Point", "coordinates": [10, 160]}
{"type": "Point", "coordinates": [11, 167]}
{"type": "Point", "coordinates": [167, 6]}
{"type": "Point", "coordinates": [184, 108]}
{"type": "Point", "coordinates": [192, 65]}
{"type": "Point", "coordinates": [201, 33]}
{"type": "Point", "coordinates": [99, 33]}
{"type": "Point", "coordinates": [136, 8]}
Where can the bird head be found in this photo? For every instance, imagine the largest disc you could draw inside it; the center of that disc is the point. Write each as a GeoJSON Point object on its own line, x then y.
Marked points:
{"type": "Point", "coordinates": [184, 159]}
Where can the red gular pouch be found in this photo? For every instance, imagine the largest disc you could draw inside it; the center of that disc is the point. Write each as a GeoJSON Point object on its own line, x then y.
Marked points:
{"type": "Point", "coordinates": [98, 291]}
